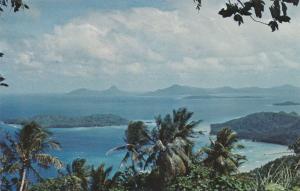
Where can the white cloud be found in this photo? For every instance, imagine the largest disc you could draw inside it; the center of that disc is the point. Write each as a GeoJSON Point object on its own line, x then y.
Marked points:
{"type": "Point", "coordinates": [149, 47]}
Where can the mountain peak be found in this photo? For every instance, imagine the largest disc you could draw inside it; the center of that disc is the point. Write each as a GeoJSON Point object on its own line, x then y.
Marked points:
{"type": "Point", "coordinates": [175, 86]}
{"type": "Point", "coordinates": [114, 91]}
{"type": "Point", "coordinates": [177, 90]}
{"type": "Point", "coordinates": [82, 91]}
{"type": "Point", "coordinates": [111, 91]}
{"type": "Point", "coordinates": [178, 86]}
{"type": "Point", "coordinates": [113, 87]}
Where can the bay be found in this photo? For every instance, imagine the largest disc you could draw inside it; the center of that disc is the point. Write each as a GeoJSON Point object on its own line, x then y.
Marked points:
{"type": "Point", "coordinates": [93, 143]}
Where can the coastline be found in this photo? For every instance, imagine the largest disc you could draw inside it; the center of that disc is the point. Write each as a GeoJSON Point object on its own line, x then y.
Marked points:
{"type": "Point", "coordinates": [71, 137]}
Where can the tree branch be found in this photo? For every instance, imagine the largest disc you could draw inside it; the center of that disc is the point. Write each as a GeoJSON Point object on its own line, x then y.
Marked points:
{"type": "Point", "coordinates": [255, 20]}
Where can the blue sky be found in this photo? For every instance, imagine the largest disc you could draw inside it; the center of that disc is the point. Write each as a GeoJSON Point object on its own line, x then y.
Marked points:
{"type": "Point", "coordinates": [60, 45]}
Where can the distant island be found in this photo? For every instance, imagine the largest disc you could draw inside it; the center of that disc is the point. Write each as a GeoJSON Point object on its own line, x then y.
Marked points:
{"type": "Point", "coordinates": [57, 121]}
{"type": "Point", "coordinates": [279, 128]}
{"type": "Point", "coordinates": [221, 97]}
{"type": "Point", "coordinates": [286, 103]}
{"type": "Point", "coordinates": [112, 91]}
{"type": "Point", "coordinates": [177, 90]}
{"type": "Point", "coordinates": [226, 91]}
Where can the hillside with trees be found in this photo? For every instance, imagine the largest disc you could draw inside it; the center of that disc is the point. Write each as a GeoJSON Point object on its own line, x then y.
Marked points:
{"type": "Point", "coordinates": [59, 121]}
{"type": "Point", "coordinates": [280, 128]}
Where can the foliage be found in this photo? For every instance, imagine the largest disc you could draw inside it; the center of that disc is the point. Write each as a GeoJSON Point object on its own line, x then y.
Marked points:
{"type": "Point", "coordinates": [238, 9]}
{"type": "Point", "coordinates": [162, 154]}
{"type": "Point", "coordinates": [25, 151]}
{"type": "Point", "coordinates": [81, 170]}
{"type": "Point", "coordinates": [137, 133]}
{"type": "Point", "coordinates": [274, 187]}
{"type": "Point", "coordinates": [100, 180]}
{"type": "Point", "coordinates": [165, 150]}
{"type": "Point", "coordinates": [295, 147]}
{"type": "Point", "coordinates": [171, 143]}
{"type": "Point", "coordinates": [220, 154]}
{"type": "Point", "coordinates": [283, 172]}
{"type": "Point", "coordinates": [15, 4]}
{"type": "Point", "coordinates": [91, 178]}
{"type": "Point", "coordinates": [131, 180]}
{"type": "Point", "coordinates": [200, 179]}
{"type": "Point", "coordinates": [64, 183]}
{"type": "Point", "coordinates": [272, 127]}
{"type": "Point", "coordinates": [142, 181]}
{"type": "Point", "coordinates": [136, 136]}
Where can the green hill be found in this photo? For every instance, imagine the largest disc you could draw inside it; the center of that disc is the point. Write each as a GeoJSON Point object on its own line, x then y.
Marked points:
{"type": "Point", "coordinates": [280, 128]}
{"type": "Point", "coordinates": [56, 121]}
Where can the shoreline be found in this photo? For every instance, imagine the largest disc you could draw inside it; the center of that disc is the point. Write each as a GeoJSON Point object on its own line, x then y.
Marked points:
{"type": "Point", "coordinates": [206, 130]}
{"type": "Point", "coordinates": [254, 151]}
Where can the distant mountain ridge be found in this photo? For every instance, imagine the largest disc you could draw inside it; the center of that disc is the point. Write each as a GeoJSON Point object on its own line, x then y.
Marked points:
{"type": "Point", "coordinates": [177, 90]}
{"type": "Point", "coordinates": [112, 91]}
{"type": "Point", "coordinates": [181, 90]}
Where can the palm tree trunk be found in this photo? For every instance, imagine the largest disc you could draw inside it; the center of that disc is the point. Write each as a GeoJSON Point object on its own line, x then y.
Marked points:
{"type": "Point", "coordinates": [22, 187]}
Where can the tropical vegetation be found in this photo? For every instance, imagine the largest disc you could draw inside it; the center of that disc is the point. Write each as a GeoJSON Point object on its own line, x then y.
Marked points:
{"type": "Point", "coordinates": [23, 153]}
{"type": "Point", "coordinates": [160, 157]}
{"type": "Point", "coordinates": [271, 127]}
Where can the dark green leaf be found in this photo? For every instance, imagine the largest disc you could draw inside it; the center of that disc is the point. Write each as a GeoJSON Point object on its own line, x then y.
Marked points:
{"type": "Point", "coordinates": [238, 18]}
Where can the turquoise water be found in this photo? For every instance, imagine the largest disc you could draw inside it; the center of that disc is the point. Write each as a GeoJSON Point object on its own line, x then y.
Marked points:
{"type": "Point", "coordinates": [93, 143]}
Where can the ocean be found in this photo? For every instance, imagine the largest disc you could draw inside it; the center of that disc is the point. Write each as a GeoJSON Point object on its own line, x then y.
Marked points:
{"type": "Point", "coordinates": [93, 143]}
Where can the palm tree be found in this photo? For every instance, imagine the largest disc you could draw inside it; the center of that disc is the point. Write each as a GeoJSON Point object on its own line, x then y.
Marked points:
{"type": "Point", "coordinates": [100, 180]}
{"type": "Point", "coordinates": [65, 183]}
{"type": "Point", "coordinates": [295, 147]}
{"type": "Point", "coordinates": [136, 136]}
{"type": "Point", "coordinates": [168, 146]}
{"type": "Point", "coordinates": [28, 149]}
{"type": "Point", "coordinates": [220, 154]}
{"type": "Point", "coordinates": [81, 170]}
{"type": "Point", "coordinates": [172, 146]}
{"type": "Point", "coordinates": [178, 126]}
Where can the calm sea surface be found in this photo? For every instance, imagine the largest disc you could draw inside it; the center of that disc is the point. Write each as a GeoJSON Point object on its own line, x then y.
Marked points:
{"type": "Point", "coordinates": [93, 143]}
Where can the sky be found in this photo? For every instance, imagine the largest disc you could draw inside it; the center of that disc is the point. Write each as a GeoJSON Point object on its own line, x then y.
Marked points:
{"type": "Point", "coordinates": [140, 45]}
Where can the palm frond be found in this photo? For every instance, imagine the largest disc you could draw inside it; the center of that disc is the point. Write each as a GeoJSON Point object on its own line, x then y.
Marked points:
{"type": "Point", "coordinates": [37, 174]}
{"type": "Point", "coordinates": [125, 159]}
{"type": "Point", "coordinates": [152, 157]}
{"type": "Point", "coordinates": [10, 167]}
{"type": "Point", "coordinates": [52, 145]}
{"type": "Point", "coordinates": [119, 148]}
{"type": "Point", "coordinates": [108, 171]}
{"type": "Point", "coordinates": [69, 169]}
{"type": "Point", "coordinates": [46, 159]}
{"type": "Point", "coordinates": [116, 176]}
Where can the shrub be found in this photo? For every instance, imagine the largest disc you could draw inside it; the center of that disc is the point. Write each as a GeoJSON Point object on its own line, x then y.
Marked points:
{"type": "Point", "coordinates": [64, 183]}
{"type": "Point", "coordinates": [199, 179]}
